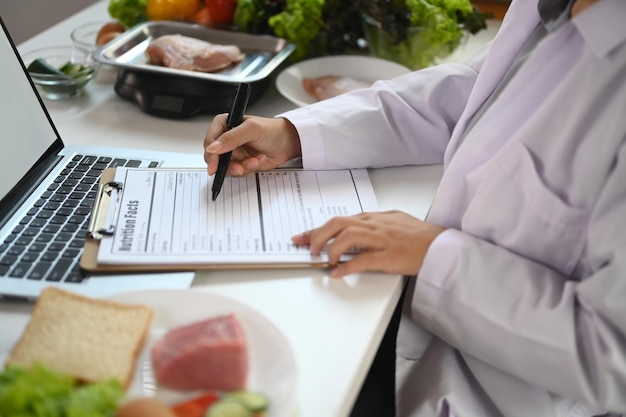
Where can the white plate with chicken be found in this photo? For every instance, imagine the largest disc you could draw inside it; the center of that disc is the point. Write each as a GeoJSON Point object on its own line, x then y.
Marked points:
{"type": "Point", "coordinates": [180, 324]}
{"type": "Point", "coordinates": [319, 78]}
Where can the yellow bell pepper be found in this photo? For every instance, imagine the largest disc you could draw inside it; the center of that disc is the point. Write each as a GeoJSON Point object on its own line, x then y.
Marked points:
{"type": "Point", "coordinates": [172, 9]}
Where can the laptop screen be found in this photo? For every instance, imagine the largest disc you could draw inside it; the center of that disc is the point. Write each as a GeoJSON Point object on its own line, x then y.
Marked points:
{"type": "Point", "coordinates": [26, 132]}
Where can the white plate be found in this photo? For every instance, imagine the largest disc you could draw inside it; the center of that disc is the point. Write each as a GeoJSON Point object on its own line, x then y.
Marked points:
{"type": "Point", "coordinates": [272, 362]}
{"type": "Point", "coordinates": [366, 68]}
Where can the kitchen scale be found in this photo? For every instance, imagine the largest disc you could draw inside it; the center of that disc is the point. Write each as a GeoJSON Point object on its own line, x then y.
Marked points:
{"type": "Point", "coordinates": [180, 97]}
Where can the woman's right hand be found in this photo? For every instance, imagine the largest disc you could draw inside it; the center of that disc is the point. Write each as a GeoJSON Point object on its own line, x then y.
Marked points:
{"type": "Point", "coordinates": [258, 144]}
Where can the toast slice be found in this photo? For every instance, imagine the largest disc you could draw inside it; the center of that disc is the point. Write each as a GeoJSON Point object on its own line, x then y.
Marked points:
{"type": "Point", "coordinates": [88, 338]}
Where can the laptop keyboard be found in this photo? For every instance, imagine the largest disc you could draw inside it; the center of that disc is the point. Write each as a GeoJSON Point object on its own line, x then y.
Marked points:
{"type": "Point", "coordinates": [48, 242]}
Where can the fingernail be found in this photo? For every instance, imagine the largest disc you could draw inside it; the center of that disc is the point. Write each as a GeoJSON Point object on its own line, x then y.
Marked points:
{"type": "Point", "coordinates": [215, 147]}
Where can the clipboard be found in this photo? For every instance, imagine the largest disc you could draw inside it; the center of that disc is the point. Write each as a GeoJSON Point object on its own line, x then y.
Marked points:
{"type": "Point", "coordinates": [102, 225]}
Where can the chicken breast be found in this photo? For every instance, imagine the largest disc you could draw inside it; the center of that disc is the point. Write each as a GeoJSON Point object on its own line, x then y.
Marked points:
{"type": "Point", "coordinates": [330, 86]}
{"type": "Point", "coordinates": [183, 52]}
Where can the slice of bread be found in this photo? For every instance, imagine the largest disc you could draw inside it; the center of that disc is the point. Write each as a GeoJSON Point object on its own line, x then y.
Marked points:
{"type": "Point", "coordinates": [88, 338]}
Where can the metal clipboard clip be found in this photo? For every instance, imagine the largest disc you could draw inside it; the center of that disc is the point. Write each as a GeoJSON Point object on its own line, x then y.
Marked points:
{"type": "Point", "coordinates": [105, 210]}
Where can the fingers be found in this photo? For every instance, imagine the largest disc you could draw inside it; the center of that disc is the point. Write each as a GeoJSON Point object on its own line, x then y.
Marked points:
{"type": "Point", "coordinates": [218, 140]}
{"type": "Point", "coordinates": [258, 144]}
{"type": "Point", "coordinates": [391, 241]}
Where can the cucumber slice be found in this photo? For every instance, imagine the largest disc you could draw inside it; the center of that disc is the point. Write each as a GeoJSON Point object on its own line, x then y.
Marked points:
{"type": "Point", "coordinates": [228, 409]}
{"type": "Point", "coordinates": [254, 401]}
{"type": "Point", "coordinates": [41, 66]}
{"type": "Point", "coordinates": [70, 69]}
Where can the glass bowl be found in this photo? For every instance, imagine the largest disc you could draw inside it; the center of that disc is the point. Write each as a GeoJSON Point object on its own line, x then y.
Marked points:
{"type": "Point", "coordinates": [90, 36]}
{"type": "Point", "coordinates": [414, 52]}
{"type": "Point", "coordinates": [60, 71]}
{"type": "Point", "coordinates": [84, 36]}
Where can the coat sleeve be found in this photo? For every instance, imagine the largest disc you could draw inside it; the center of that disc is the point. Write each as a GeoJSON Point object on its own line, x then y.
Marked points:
{"type": "Point", "coordinates": [566, 334]}
{"type": "Point", "coordinates": [407, 120]}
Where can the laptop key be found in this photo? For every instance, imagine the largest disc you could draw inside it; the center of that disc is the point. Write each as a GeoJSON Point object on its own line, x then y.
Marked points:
{"type": "Point", "coordinates": [93, 173]}
{"type": "Point", "coordinates": [57, 220]}
{"type": "Point", "coordinates": [83, 211]}
{"type": "Point", "coordinates": [29, 256]}
{"type": "Point", "coordinates": [9, 239]}
{"type": "Point", "coordinates": [57, 246]}
{"type": "Point", "coordinates": [20, 270]}
{"type": "Point", "coordinates": [89, 159]}
{"type": "Point", "coordinates": [65, 211]}
{"type": "Point", "coordinates": [18, 229]}
{"type": "Point", "coordinates": [69, 228]}
{"type": "Point", "coordinates": [63, 237]}
{"type": "Point", "coordinates": [59, 269]}
{"type": "Point", "coordinates": [71, 253]}
{"type": "Point", "coordinates": [37, 247]}
{"type": "Point", "coordinates": [16, 250]}
{"type": "Point", "coordinates": [117, 162]}
{"type": "Point", "coordinates": [40, 270]}
{"type": "Point", "coordinates": [30, 231]}
{"type": "Point", "coordinates": [77, 243]}
{"type": "Point", "coordinates": [23, 240]}
{"type": "Point", "coordinates": [38, 222]}
{"type": "Point", "coordinates": [50, 256]}
{"type": "Point", "coordinates": [133, 163]}
{"type": "Point", "coordinates": [8, 260]}
{"type": "Point", "coordinates": [100, 165]}
{"type": "Point", "coordinates": [44, 238]}
{"type": "Point", "coordinates": [76, 275]}
{"type": "Point", "coordinates": [26, 219]}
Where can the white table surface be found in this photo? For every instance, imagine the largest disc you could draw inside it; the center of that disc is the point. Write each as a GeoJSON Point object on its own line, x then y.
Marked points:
{"type": "Point", "coordinates": [334, 326]}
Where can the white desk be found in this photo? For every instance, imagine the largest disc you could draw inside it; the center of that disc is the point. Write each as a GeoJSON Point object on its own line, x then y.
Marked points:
{"type": "Point", "coordinates": [334, 326]}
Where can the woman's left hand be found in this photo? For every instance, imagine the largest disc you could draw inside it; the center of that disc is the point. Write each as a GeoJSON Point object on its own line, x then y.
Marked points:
{"type": "Point", "coordinates": [390, 241]}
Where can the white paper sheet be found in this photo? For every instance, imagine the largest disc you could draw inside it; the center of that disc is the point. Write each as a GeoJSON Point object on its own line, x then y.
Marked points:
{"type": "Point", "coordinates": [166, 216]}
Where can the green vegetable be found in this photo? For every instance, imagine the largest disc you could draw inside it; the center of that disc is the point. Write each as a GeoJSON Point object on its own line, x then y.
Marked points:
{"type": "Point", "coordinates": [329, 27]}
{"type": "Point", "coordinates": [41, 66]}
{"type": "Point", "coordinates": [253, 401]}
{"type": "Point", "coordinates": [252, 16]}
{"type": "Point", "coordinates": [128, 12]}
{"type": "Point", "coordinates": [300, 23]}
{"type": "Point", "coordinates": [41, 392]}
{"type": "Point", "coordinates": [228, 409]}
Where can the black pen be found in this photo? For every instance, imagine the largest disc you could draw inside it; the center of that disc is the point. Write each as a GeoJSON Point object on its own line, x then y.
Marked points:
{"type": "Point", "coordinates": [235, 117]}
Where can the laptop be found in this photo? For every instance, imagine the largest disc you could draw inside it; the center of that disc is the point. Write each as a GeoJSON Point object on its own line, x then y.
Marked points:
{"type": "Point", "coordinates": [46, 193]}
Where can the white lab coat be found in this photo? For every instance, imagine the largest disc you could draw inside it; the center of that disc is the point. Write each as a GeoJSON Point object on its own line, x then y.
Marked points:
{"type": "Point", "coordinates": [520, 306]}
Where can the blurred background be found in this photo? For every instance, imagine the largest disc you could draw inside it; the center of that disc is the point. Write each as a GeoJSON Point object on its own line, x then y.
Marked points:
{"type": "Point", "coordinates": [25, 18]}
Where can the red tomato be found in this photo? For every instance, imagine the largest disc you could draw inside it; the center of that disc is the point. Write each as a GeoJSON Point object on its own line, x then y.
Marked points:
{"type": "Point", "coordinates": [196, 407]}
{"type": "Point", "coordinates": [221, 11]}
{"type": "Point", "coordinates": [203, 17]}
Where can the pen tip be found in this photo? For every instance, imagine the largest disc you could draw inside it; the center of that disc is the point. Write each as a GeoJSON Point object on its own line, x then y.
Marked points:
{"type": "Point", "coordinates": [214, 196]}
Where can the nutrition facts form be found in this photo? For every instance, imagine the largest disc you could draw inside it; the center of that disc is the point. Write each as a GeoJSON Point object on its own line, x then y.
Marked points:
{"type": "Point", "coordinates": [164, 216]}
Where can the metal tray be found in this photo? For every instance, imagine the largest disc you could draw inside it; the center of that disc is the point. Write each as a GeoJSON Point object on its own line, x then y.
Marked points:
{"type": "Point", "coordinates": [262, 53]}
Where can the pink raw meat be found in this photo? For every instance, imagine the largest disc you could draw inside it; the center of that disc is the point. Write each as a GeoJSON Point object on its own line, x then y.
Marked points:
{"type": "Point", "coordinates": [183, 52]}
{"type": "Point", "coordinates": [209, 354]}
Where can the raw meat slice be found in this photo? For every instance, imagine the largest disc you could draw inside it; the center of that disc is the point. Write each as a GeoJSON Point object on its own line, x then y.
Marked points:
{"type": "Point", "coordinates": [210, 354]}
{"type": "Point", "coordinates": [331, 85]}
{"type": "Point", "coordinates": [183, 52]}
